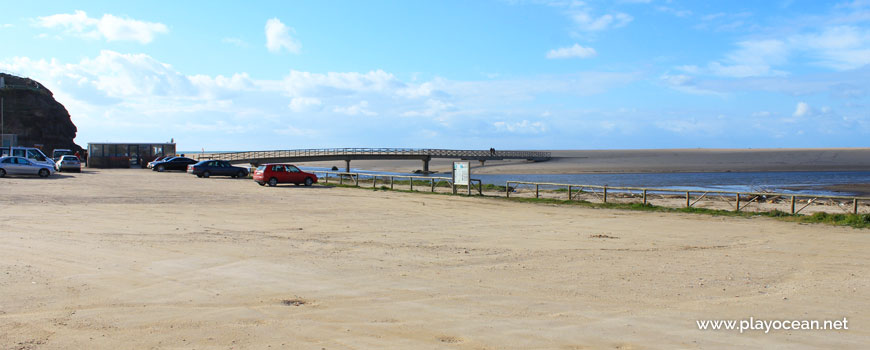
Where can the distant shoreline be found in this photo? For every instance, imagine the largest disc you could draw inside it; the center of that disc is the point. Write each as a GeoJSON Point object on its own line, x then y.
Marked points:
{"type": "Point", "coordinates": [647, 161]}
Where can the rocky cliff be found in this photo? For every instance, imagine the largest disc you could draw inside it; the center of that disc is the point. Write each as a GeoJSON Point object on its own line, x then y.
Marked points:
{"type": "Point", "coordinates": [30, 111]}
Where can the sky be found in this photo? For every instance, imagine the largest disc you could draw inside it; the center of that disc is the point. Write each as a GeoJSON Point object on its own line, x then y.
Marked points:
{"type": "Point", "coordinates": [232, 75]}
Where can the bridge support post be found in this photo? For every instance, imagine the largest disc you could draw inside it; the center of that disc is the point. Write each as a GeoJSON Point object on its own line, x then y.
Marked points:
{"type": "Point", "coordinates": [426, 165]}
{"type": "Point", "coordinates": [482, 162]}
{"type": "Point", "coordinates": [347, 165]}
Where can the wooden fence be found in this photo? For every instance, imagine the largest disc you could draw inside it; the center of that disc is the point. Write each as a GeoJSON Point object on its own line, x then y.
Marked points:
{"type": "Point", "coordinates": [390, 180]}
{"type": "Point", "coordinates": [795, 202]}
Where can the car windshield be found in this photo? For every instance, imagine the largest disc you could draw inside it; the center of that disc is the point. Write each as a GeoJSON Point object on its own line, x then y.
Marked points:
{"type": "Point", "coordinates": [261, 168]}
{"type": "Point", "coordinates": [71, 158]}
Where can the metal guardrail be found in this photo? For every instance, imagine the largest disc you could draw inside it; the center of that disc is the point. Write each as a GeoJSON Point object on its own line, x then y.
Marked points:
{"type": "Point", "coordinates": [602, 191]}
{"type": "Point", "coordinates": [433, 153]}
{"type": "Point", "coordinates": [433, 182]}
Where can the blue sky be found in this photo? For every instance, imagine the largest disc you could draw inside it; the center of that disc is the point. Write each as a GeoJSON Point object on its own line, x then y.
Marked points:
{"type": "Point", "coordinates": [452, 74]}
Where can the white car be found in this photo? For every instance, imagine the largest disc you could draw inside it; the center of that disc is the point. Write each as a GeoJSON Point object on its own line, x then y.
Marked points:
{"type": "Point", "coordinates": [69, 163]}
{"type": "Point", "coordinates": [35, 155]}
{"type": "Point", "coordinates": [23, 166]}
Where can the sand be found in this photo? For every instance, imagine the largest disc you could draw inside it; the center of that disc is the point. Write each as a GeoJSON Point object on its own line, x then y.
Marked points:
{"type": "Point", "coordinates": [646, 161]}
{"type": "Point", "coordinates": [113, 259]}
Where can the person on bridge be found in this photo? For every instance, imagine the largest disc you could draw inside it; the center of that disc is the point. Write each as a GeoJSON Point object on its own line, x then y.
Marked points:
{"type": "Point", "coordinates": [492, 151]}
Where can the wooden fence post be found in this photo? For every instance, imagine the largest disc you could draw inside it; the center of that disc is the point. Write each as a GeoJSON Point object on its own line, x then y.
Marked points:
{"type": "Point", "coordinates": [391, 182]}
{"type": "Point", "coordinates": [644, 197]}
{"type": "Point", "coordinates": [737, 208]}
{"type": "Point", "coordinates": [792, 205]}
{"type": "Point", "coordinates": [605, 194]}
{"type": "Point", "coordinates": [536, 191]}
{"type": "Point", "coordinates": [855, 206]}
{"type": "Point", "coordinates": [569, 192]}
{"type": "Point", "coordinates": [356, 183]}
{"type": "Point", "coordinates": [507, 189]}
{"type": "Point", "coordinates": [688, 204]}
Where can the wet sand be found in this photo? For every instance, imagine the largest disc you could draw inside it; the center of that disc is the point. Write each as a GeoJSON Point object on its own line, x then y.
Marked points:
{"type": "Point", "coordinates": [129, 258]}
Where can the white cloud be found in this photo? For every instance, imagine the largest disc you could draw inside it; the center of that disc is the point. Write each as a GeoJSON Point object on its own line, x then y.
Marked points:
{"type": "Point", "coordinates": [116, 96]}
{"type": "Point", "coordinates": [301, 104]}
{"type": "Point", "coordinates": [278, 37]}
{"type": "Point", "coordinates": [571, 52]}
{"type": "Point", "coordinates": [235, 41]}
{"type": "Point", "coordinates": [109, 27]}
{"type": "Point", "coordinates": [7, 25]}
{"type": "Point", "coordinates": [433, 107]}
{"type": "Point", "coordinates": [673, 11]}
{"type": "Point", "coordinates": [802, 109]}
{"type": "Point", "coordinates": [752, 58]}
{"type": "Point", "coordinates": [521, 127]}
{"type": "Point", "coordinates": [840, 48]}
{"type": "Point", "coordinates": [585, 21]}
{"type": "Point", "coordinates": [360, 108]}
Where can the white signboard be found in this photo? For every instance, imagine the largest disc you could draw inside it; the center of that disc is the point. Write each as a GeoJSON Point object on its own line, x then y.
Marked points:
{"type": "Point", "coordinates": [461, 173]}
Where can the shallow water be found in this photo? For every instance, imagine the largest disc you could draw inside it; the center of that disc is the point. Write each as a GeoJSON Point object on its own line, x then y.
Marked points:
{"type": "Point", "coordinates": [805, 182]}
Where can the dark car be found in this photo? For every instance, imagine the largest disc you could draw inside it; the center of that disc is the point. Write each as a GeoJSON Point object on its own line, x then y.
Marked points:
{"type": "Point", "coordinates": [208, 168]}
{"type": "Point", "coordinates": [175, 163]}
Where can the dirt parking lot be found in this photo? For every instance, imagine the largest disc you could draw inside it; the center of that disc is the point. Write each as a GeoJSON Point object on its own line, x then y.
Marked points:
{"type": "Point", "coordinates": [116, 259]}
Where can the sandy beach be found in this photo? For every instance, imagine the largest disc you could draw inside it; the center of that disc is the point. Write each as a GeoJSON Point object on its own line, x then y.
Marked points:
{"type": "Point", "coordinates": [111, 259]}
{"type": "Point", "coordinates": [649, 161]}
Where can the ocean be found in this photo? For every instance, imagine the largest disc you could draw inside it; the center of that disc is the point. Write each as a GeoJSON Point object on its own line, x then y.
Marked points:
{"type": "Point", "coordinates": [802, 182]}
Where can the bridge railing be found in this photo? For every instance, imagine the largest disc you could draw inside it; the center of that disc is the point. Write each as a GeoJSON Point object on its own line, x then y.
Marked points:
{"type": "Point", "coordinates": [315, 152]}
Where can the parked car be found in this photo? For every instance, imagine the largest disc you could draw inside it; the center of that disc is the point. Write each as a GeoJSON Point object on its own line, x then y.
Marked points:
{"type": "Point", "coordinates": [35, 155]}
{"type": "Point", "coordinates": [158, 159]}
{"type": "Point", "coordinates": [23, 166]}
{"type": "Point", "coordinates": [60, 152]}
{"type": "Point", "coordinates": [69, 163]}
{"type": "Point", "coordinates": [175, 163]}
{"type": "Point", "coordinates": [273, 174]}
{"type": "Point", "coordinates": [208, 168]}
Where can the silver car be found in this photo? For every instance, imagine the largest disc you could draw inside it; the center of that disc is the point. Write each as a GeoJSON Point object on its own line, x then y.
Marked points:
{"type": "Point", "coordinates": [23, 166]}
{"type": "Point", "coordinates": [68, 163]}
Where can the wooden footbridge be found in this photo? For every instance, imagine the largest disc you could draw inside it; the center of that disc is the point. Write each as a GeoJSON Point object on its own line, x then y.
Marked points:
{"type": "Point", "coordinates": [348, 154]}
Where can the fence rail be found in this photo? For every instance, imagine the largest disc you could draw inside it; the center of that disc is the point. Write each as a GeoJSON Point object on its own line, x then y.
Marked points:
{"type": "Point", "coordinates": [741, 200]}
{"type": "Point", "coordinates": [432, 182]}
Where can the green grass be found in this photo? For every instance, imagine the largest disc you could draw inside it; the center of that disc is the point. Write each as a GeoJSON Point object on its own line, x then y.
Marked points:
{"type": "Point", "coordinates": [851, 220]}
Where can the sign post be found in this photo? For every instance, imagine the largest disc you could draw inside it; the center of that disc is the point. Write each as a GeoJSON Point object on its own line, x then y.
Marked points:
{"type": "Point", "coordinates": [462, 175]}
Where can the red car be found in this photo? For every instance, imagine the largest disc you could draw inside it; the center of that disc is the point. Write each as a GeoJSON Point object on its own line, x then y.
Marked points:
{"type": "Point", "coordinates": [273, 174]}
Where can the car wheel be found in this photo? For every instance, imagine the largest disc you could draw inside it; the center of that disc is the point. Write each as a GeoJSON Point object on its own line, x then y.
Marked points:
{"type": "Point", "coordinates": [2, 172]}
{"type": "Point", "coordinates": [200, 175]}
{"type": "Point", "coordinates": [206, 174]}
{"type": "Point", "coordinates": [160, 168]}
{"type": "Point", "coordinates": [241, 175]}
{"type": "Point", "coordinates": [308, 181]}
{"type": "Point", "coordinates": [273, 182]}
{"type": "Point", "coordinates": [44, 172]}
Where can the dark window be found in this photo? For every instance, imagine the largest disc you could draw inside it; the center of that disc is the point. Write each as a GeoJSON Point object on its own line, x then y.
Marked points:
{"type": "Point", "coordinates": [8, 160]}
{"type": "Point", "coordinates": [292, 169]}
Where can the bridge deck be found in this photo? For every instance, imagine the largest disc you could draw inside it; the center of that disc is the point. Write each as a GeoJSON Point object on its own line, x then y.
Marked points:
{"type": "Point", "coordinates": [347, 154]}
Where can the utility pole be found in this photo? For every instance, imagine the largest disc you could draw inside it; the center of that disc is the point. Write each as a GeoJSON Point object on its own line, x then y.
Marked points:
{"type": "Point", "coordinates": [2, 125]}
